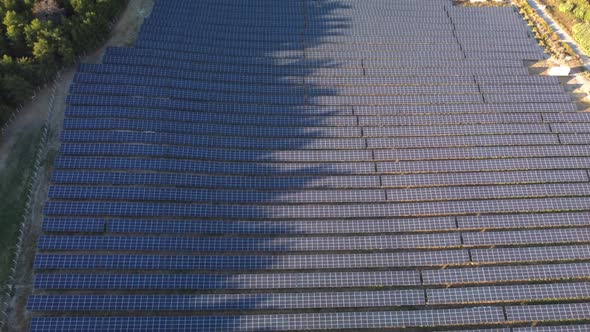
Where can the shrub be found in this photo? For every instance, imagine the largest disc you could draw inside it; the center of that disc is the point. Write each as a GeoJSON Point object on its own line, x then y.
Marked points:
{"type": "Point", "coordinates": [581, 33]}
{"type": "Point", "coordinates": [566, 7]}
{"type": "Point", "coordinates": [579, 12]}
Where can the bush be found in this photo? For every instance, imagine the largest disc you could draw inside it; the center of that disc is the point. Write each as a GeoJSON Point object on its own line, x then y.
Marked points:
{"type": "Point", "coordinates": [581, 33]}
{"type": "Point", "coordinates": [579, 12]}
{"type": "Point", "coordinates": [566, 7]}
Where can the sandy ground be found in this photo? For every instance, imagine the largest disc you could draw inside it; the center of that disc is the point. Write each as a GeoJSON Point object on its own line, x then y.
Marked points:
{"type": "Point", "coordinates": [32, 118]}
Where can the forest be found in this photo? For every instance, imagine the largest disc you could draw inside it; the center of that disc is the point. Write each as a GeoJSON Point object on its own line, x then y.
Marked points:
{"type": "Point", "coordinates": [38, 37]}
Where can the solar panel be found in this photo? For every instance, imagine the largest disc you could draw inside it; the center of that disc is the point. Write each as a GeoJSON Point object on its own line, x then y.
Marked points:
{"type": "Point", "coordinates": [247, 166]}
{"type": "Point", "coordinates": [483, 129]}
{"type": "Point", "coordinates": [218, 182]}
{"type": "Point", "coordinates": [77, 136]}
{"type": "Point", "coordinates": [280, 227]}
{"type": "Point", "coordinates": [237, 168]}
{"type": "Point", "coordinates": [484, 152]}
{"type": "Point", "coordinates": [531, 254]}
{"type": "Point", "coordinates": [504, 274]}
{"type": "Point", "coordinates": [444, 208]}
{"type": "Point", "coordinates": [449, 119]}
{"type": "Point", "coordinates": [249, 263]}
{"type": "Point", "coordinates": [462, 141]}
{"type": "Point", "coordinates": [73, 225]}
{"type": "Point", "coordinates": [179, 244]}
{"type": "Point", "coordinates": [483, 165]}
{"type": "Point", "coordinates": [529, 220]}
{"type": "Point", "coordinates": [562, 328]}
{"type": "Point", "coordinates": [464, 108]}
{"type": "Point", "coordinates": [488, 192]}
{"type": "Point", "coordinates": [483, 178]}
{"type": "Point", "coordinates": [208, 129]}
{"type": "Point", "coordinates": [88, 83]}
{"type": "Point", "coordinates": [570, 235]}
{"type": "Point", "coordinates": [224, 301]}
{"type": "Point", "coordinates": [564, 311]}
{"type": "Point", "coordinates": [344, 320]}
{"type": "Point", "coordinates": [181, 152]}
{"type": "Point", "coordinates": [512, 293]}
{"type": "Point", "coordinates": [220, 281]}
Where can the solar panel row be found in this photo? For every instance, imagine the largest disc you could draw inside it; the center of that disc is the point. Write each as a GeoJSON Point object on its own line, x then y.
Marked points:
{"type": "Point", "coordinates": [220, 281]}
{"type": "Point", "coordinates": [410, 209]}
{"type": "Point", "coordinates": [278, 322]}
{"type": "Point", "coordinates": [176, 226]}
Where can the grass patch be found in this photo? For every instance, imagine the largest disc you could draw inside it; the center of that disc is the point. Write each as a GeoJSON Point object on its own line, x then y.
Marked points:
{"type": "Point", "coordinates": [14, 182]}
{"type": "Point", "coordinates": [582, 35]}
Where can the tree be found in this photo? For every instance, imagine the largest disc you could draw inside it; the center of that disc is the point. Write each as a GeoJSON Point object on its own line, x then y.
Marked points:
{"type": "Point", "coordinates": [16, 89]}
{"type": "Point", "coordinates": [82, 6]}
{"type": "Point", "coordinates": [32, 30]}
{"type": "Point", "coordinates": [10, 4]}
{"type": "Point", "coordinates": [14, 24]}
{"type": "Point", "coordinates": [39, 36]}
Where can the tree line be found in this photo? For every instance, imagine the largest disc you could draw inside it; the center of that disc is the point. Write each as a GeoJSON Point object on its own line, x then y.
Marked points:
{"type": "Point", "coordinates": [40, 36]}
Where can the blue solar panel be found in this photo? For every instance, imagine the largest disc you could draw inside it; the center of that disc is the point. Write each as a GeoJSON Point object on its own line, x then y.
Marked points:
{"type": "Point", "coordinates": [249, 166]}
{"type": "Point", "coordinates": [216, 142]}
{"type": "Point", "coordinates": [73, 225]}
{"type": "Point", "coordinates": [305, 321]}
{"type": "Point", "coordinates": [280, 227]}
{"type": "Point", "coordinates": [208, 129]}
{"type": "Point", "coordinates": [190, 75]}
{"type": "Point", "coordinates": [248, 263]}
{"type": "Point", "coordinates": [532, 254]}
{"type": "Point", "coordinates": [220, 281]}
{"type": "Point", "coordinates": [225, 301]}
{"type": "Point", "coordinates": [299, 118]}
{"type": "Point", "coordinates": [181, 152]}
{"type": "Point", "coordinates": [210, 181]}
{"type": "Point", "coordinates": [238, 168]}
{"type": "Point", "coordinates": [178, 244]}
{"type": "Point", "coordinates": [444, 208]}
{"type": "Point", "coordinates": [503, 274]}
{"type": "Point", "coordinates": [165, 82]}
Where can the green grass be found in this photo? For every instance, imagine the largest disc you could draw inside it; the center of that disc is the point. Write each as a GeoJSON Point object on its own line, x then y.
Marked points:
{"type": "Point", "coordinates": [582, 35]}
{"type": "Point", "coordinates": [14, 183]}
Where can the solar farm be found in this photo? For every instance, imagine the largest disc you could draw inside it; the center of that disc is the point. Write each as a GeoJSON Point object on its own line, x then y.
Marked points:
{"type": "Point", "coordinates": [293, 165]}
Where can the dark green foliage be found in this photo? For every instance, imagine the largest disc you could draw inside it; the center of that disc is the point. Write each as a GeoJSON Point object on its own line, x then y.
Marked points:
{"type": "Point", "coordinates": [37, 37]}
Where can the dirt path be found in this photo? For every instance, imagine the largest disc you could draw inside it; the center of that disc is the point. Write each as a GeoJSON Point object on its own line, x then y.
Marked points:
{"type": "Point", "coordinates": [30, 121]}
{"type": "Point", "coordinates": [565, 37]}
